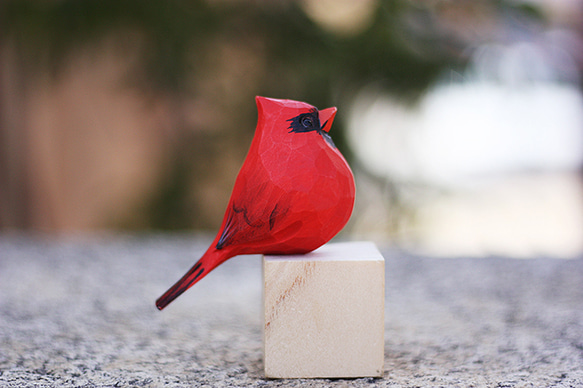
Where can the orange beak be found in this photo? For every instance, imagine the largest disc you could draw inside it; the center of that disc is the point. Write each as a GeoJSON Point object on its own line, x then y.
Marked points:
{"type": "Point", "coordinates": [326, 118]}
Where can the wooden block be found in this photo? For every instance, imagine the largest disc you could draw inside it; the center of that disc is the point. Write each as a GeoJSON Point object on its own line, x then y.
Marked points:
{"type": "Point", "coordinates": [324, 312]}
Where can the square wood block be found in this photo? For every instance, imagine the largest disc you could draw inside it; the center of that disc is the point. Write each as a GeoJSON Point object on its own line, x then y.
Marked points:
{"type": "Point", "coordinates": [324, 312]}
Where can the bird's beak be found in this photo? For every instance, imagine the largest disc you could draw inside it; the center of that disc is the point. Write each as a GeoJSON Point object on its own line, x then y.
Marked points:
{"type": "Point", "coordinates": [326, 118]}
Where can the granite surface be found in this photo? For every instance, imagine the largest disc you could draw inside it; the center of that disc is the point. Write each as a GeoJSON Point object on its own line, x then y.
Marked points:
{"type": "Point", "coordinates": [80, 312]}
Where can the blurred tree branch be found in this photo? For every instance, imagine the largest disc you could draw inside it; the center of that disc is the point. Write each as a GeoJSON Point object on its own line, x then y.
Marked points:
{"type": "Point", "coordinates": [176, 41]}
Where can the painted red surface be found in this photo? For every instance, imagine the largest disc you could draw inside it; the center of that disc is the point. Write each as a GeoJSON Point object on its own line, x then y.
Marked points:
{"type": "Point", "coordinates": [294, 192]}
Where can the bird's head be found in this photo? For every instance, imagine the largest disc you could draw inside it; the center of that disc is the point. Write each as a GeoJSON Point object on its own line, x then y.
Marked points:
{"type": "Point", "coordinates": [289, 117]}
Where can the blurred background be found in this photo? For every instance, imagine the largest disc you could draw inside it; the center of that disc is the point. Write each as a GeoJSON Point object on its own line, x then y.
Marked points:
{"type": "Point", "coordinates": [462, 120]}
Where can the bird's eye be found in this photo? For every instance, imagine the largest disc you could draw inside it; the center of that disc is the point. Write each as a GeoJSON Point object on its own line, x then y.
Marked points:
{"type": "Point", "coordinates": [307, 122]}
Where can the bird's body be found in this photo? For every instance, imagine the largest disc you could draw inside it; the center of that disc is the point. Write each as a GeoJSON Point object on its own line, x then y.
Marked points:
{"type": "Point", "coordinates": [293, 193]}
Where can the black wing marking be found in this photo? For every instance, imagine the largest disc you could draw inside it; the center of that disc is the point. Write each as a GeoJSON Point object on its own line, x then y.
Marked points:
{"type": "Point", "coordinates": [250, 229]}
{"type": "Point", "coordinates": [230, 228]}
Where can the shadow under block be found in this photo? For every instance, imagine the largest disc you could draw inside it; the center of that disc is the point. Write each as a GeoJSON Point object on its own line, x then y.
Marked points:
{"type": "Point", "coordinates": [324, 312]}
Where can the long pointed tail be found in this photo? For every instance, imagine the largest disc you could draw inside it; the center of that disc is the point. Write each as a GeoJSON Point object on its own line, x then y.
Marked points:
{"type": "Point", "coordinates": [198, 271]}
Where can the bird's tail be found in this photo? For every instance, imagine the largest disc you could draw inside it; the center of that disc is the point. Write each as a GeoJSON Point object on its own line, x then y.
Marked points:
{"type": "Point", "coordinates": [209, 261]}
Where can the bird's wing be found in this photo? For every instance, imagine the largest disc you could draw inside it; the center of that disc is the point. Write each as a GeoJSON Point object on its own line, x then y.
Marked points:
{"type": "Point", "coordinates": [255, 215]}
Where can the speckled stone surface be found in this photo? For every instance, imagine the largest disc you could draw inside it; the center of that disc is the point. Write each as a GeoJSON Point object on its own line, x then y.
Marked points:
{"type": "Point", "coordinates": [80, 312]}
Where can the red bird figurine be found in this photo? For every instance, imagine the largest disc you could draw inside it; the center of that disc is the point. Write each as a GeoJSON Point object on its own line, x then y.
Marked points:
{"type": "Point", "coordinates": [294, 192]}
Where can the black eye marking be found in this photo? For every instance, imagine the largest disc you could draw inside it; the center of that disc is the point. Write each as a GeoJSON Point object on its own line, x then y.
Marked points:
{"type": "Point", "coordinates": [308, 122]}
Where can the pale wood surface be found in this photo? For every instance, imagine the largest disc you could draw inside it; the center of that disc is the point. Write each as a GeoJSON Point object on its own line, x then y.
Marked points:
{"type": "Point", "coordinates": [324, 312]}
